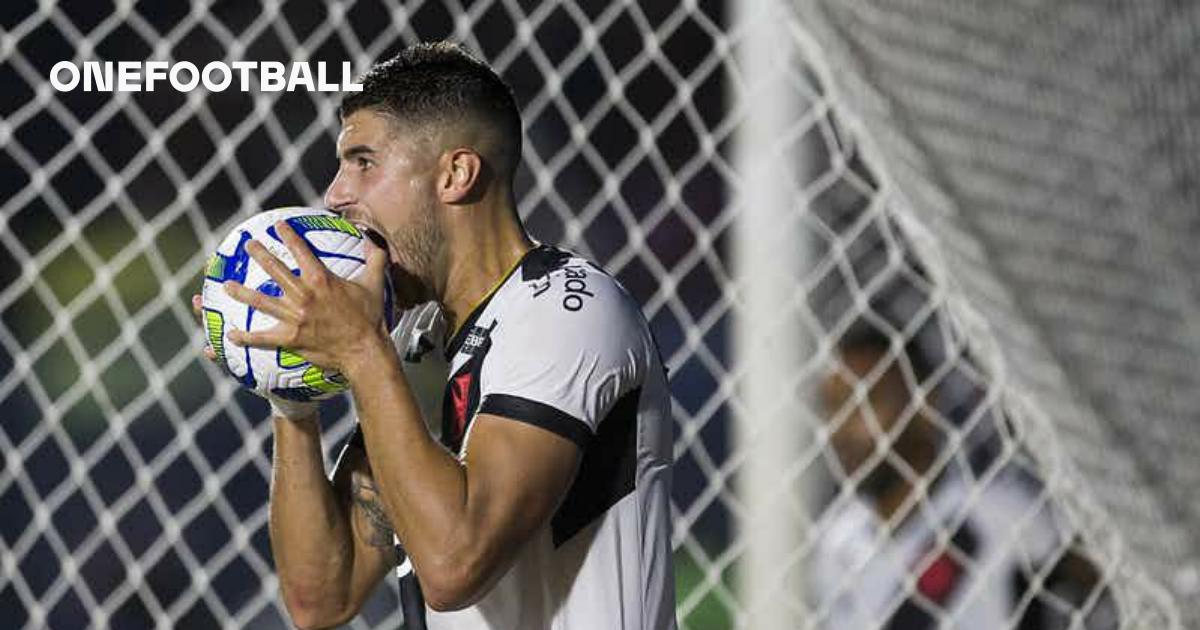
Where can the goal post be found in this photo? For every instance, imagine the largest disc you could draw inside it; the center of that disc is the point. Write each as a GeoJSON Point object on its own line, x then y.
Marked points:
{"type": "Point", "coordinates": [1001, 192]}
{"type": "Point", "coordinates": [772, 337]}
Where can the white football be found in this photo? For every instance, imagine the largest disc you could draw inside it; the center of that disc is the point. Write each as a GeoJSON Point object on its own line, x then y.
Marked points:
{"type": "Point", "coordinates": [336, 242]}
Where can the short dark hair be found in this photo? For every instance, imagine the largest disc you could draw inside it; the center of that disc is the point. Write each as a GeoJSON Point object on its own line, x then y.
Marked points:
{"type": "Point", "coordinates": [438, 83]}
{"type": "Point", "coordinates": [865, 336]}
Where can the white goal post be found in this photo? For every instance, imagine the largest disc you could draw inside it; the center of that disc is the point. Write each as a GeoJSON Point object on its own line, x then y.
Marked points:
{"type": "Point", "coordinates": [1004, 193]}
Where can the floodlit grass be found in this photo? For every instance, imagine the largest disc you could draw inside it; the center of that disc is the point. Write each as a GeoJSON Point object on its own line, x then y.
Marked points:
{"type": "Point", "coordinates": [710, 613]}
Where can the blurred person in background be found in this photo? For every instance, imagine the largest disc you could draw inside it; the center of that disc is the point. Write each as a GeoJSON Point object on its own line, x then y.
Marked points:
{"type": "Point", "coordinates": [925, 541]}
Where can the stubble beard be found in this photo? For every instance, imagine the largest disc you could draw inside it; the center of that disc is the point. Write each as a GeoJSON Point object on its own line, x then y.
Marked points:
{"type": "Point", "coordinates": [417, 246]}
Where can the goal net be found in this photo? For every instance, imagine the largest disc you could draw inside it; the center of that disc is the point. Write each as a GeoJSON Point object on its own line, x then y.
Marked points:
{"type": "Point", "coordinates": [1002, 193]}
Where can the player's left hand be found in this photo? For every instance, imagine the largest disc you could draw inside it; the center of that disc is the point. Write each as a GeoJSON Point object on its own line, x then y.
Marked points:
{"type": "Point", "coordinates": [326, 319]}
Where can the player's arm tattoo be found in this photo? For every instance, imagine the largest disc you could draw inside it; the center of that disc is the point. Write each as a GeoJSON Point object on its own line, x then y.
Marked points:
{"type": "Point", "coordinates": [366, 497]}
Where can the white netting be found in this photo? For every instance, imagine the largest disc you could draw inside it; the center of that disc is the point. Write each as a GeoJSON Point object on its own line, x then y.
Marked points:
{"type": "Point", "coordinates": [932, 147]}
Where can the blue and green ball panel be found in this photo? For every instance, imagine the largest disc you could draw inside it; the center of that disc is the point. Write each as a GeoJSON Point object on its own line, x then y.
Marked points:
{"type": "Point", "coordinates": [214, 325]}
{"type": "Point", "coordinates": [302, 225]}
{"type": "Point", "coordinates": [232, 267]}
{"type": "Point", "coordinates": [317, 384]}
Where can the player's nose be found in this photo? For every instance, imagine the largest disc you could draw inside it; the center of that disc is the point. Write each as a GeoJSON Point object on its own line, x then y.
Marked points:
{"type": "Point", "coordinates": [338, 195]}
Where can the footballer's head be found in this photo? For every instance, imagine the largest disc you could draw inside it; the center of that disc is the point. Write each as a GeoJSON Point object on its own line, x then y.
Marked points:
{"type": "Point", "coordinates": [888, 415]}
{"type": "Point", "coordinates": [433, 129]}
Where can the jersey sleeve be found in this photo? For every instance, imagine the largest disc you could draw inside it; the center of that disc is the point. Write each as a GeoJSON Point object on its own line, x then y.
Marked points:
{"type": "Point", "coordinates": [561, 359]}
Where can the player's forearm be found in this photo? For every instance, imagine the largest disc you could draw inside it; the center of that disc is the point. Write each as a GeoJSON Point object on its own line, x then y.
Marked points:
{"type": "Point", "coordinates": [423, 485]}
{"type": "Point", "coordinates": [310, 532]}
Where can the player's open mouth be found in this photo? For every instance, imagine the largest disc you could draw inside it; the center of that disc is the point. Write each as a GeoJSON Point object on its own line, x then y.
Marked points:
{"type": "Point", "coordinates": [377, 236]}
{"type": "Point", "coordinates": [398, 275]}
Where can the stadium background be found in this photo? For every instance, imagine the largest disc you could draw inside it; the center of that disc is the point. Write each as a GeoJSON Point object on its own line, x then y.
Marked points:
{"type": "Point", "coordinates": [135, 480]}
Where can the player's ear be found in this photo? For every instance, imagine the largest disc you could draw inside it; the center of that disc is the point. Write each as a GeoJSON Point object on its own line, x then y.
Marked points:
{"type": "Point", "coordinates": [462, 176]}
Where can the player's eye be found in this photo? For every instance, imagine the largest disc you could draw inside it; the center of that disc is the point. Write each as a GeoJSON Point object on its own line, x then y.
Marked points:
{"type": "Point", "coordinates": [363, 163]}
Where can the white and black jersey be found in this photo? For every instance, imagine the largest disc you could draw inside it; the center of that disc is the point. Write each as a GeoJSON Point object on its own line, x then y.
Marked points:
{"type": "Point", "coordinates": [560, 345]}
{"type": "Point", "coordinates": [961, 559]}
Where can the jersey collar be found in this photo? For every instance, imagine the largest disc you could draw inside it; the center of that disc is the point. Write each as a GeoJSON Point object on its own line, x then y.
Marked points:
{"type": "Point", "coordinates": [460, 335]}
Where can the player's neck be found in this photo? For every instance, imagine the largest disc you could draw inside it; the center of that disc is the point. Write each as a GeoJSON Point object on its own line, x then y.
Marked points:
{"type": "Point", "coordinates": [891, 498]}
{"type": "Point", "coordinates": [483, 243]}
{"type": "Point", "coordinates": [891, 491]}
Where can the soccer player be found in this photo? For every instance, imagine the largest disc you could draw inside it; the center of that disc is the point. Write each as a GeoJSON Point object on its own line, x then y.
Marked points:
{"type": "Point", "coordinates": [545, 504]}
{"type": "Point", "coordinates": [974, 546]}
